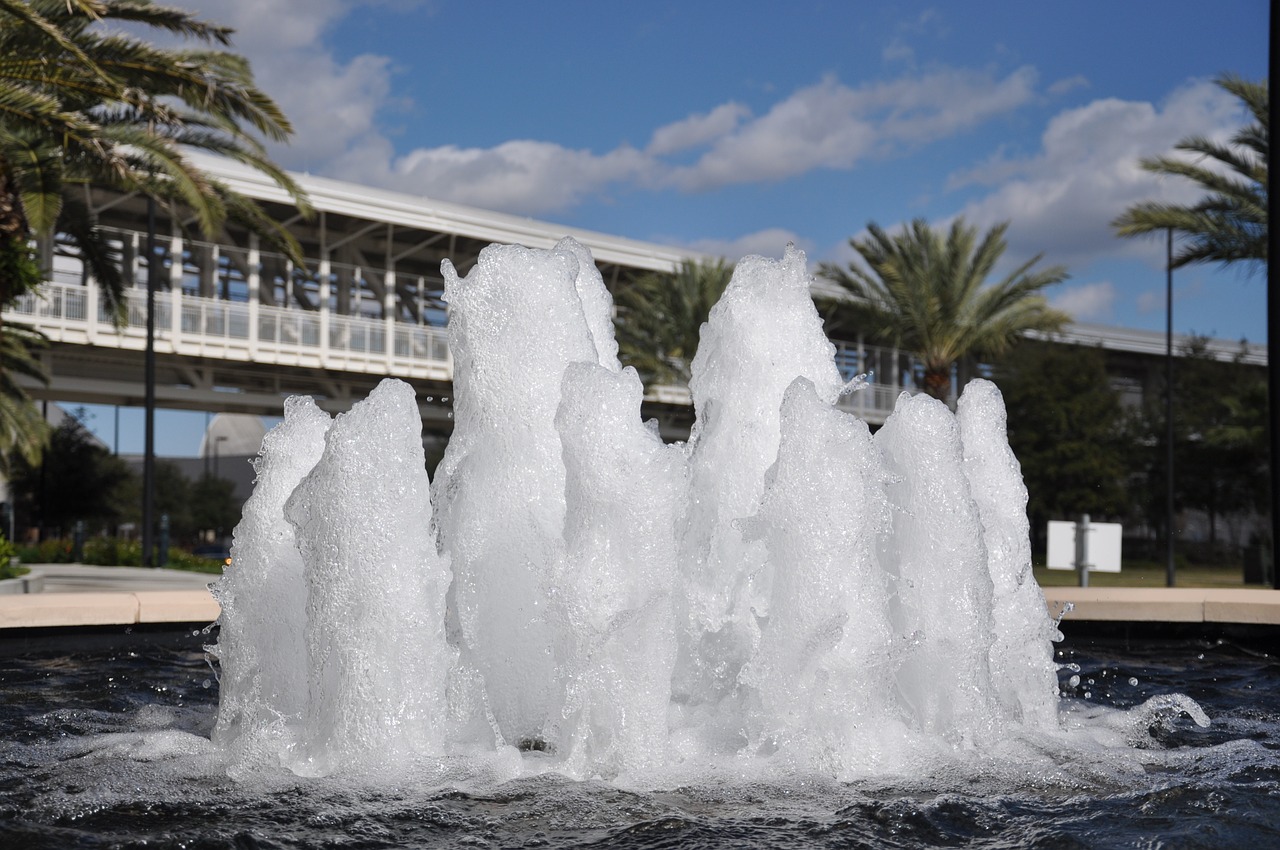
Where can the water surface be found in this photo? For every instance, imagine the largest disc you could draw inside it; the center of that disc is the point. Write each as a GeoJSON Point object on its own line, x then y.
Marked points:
{"type": "Point", "coordinates": [105, 746]}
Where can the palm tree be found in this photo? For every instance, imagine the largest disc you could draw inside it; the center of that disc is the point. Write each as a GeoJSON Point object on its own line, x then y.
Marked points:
{"type": "Point", "coordinates": [81, 104]}
{"type": "Point", "coordinates": [1229, 223]}
{"type": "Point", "coordinates": [23, 430]}
{"type": "Point", "coordinates": [927, 294]}
{"type": "Point", "coordinates": [660, 316]}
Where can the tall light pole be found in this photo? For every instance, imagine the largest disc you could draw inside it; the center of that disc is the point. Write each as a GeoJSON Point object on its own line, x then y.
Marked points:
{"type": "Point", "coordinates": [149, 420]}
{"type": "Point", "coordinates": [1273, 327]}
{"type": "Point", "coordinates": [1168, 409]}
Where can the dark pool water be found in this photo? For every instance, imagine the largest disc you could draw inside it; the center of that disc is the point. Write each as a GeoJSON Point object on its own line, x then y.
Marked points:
{"type": "Point", "coordinates": [98, 750]}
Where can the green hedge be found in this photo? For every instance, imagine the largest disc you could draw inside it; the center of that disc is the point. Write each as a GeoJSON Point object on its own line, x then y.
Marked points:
{"type": "Point", "coordinates": [111, 552]}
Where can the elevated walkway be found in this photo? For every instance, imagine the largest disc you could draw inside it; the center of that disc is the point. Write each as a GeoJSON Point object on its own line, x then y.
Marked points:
{"type": "Point", "coordinates": [239, 328]}
{"type": "Point", "coordinates": [247, 357]}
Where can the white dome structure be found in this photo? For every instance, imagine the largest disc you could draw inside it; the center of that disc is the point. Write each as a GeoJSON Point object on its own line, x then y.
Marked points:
{"type": "Point", "coordinates": [233, 435]}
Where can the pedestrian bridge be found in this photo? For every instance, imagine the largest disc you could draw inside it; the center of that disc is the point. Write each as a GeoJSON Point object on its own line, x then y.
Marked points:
{"type": "Point", "coordinates": [240, 354]}
{"type": "Point", "coordinates": [239, 328]}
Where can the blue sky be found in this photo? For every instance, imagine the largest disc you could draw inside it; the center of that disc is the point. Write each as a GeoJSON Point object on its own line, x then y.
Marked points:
{"type": "Point", "coordinates": [733, 128]}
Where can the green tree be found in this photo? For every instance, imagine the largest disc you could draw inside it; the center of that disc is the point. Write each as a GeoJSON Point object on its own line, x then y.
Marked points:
{"type": "Point", "coordinates": [1219, 439]}
{"type": "Point", "coordinates": [193, 506]}
{"type": "Point", "coordinates": [927, 293]}
{"type": "Point", "coordinates": [659, 318]}
{"type": "Point", "coordinates": [83, 103]}
{"type": "Point", "coordinates": [1066, 429]}
{"type": "Point", "coordinates": [173, 499]}
{"type": "Point", "coordinates": [213, 505]}
{"type": "Point", "coordinates": [77, 479]}
{"type": "Point", "coordinates": [1229, 224]}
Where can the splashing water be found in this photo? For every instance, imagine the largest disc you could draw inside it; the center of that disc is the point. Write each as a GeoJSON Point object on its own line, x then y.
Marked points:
{"type": "Point", "coordinates": [785, 593]}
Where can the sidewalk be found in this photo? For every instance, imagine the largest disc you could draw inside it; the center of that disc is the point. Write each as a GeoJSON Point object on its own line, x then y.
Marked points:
{"type": "Point", "coordinates": [60, 595]}
{"type": "Point", "coordinates": [82, 578]}
{"type": "Point", "coordinates": [79, 595]}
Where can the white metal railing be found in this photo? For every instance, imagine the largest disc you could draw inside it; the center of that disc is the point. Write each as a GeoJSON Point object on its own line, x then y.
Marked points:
{"type": "Point", "coordinates": [239, 330]}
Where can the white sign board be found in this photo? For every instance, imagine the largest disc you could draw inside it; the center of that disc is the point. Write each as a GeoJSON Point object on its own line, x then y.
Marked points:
{"type": "Point", "coordinates": [1103, 553]}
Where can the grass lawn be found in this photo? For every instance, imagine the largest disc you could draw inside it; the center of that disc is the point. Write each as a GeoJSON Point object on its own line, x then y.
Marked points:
{"type": "Point", "coordinates": [1148, 574]}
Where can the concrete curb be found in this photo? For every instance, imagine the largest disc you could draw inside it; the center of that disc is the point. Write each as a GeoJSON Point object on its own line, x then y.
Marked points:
{"type": "Point", "coordinates": [48, 610]}
{"type": "Point", "coordinates": [1101, 604]}
{"type": "Point", "coordinates": [1245, 606]}
{"type": "Point", "coordinates": [32, 582]}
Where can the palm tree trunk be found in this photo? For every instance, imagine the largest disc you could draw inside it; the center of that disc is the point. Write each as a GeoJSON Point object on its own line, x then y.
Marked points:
{"type": "Point", "coordinates": [937, 382]}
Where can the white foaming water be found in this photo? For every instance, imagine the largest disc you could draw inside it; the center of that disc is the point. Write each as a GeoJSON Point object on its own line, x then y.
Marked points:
{"type": "Point", "coordinates": [262, 641]}
{"type": "Point", "coordinates": [783, 594]}
{"type": "Point", "coordinates": [377, 658]}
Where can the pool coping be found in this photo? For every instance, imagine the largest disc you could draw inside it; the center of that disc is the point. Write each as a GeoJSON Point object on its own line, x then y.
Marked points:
{"type": "Point", "coordinates": [1245, 606]}
{"type": "Point", "coordinates": [106, 608]}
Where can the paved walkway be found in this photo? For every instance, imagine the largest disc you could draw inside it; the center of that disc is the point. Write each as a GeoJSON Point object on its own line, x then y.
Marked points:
{"type": "Point", "coordinates": [79, 595]}
{"type": "Point", "coordinates": [83, 595]}
{"type": "Point", "coordinates": [82, 578]}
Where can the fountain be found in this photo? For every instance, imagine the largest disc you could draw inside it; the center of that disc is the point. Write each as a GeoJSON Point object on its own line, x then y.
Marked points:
{"type": "Point", "coordinates": [573, 595]}
{"type": "Point", "coordinates": [784, 629]}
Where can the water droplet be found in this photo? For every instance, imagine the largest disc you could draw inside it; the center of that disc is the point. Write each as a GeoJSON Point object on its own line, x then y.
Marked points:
{"type": "Point", "coordinates": [1074, 681]}
{"type": "Point", "coordinates": [1133, 680]}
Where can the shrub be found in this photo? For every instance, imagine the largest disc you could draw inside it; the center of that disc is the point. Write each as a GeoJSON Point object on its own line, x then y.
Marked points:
{"type": "Point", "coordinates": [7, 553]}
{"type": "Point", "coordinates": [112, 552]}
{"type": "Point", "coordinates": [107, 552]}
{"type": "Point", "coordinates": [53, 551]}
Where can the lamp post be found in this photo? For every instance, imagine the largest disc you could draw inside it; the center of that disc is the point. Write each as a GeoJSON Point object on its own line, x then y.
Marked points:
{"type": "Point", "coordinates": [1273, 331]}
{"type": "Point", "coordinates": [149, 403]}
{"type": "Point", "coordinates": [1168, 410]}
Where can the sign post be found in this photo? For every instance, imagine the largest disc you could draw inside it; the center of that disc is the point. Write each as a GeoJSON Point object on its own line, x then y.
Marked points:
{"type": "Point", "coordinates": [1084, 546]}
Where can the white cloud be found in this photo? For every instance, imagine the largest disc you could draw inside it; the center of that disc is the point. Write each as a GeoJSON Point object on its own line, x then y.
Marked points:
{"type": "Point", "coordinates": [898, 50]}
{"type": "Point", "coordinates": [771, 242]}
{"type": "Point", "coordinates": [526, 177]}
{"type": "Point", "coordinates": [696, 130]}
{"type": "Point", "coordinates": [831, 125]}
{"type": "Point", "coordinates": [338, 106]}
{"type": "Point", "coordinates": [333, 104]}
{"type": "Point", "coordinates": [279, 24]}
{"type": "Point", "coordinates": [1090, 302]}
{"type": "Point", "coordinates": [1062, 200]}
{"type": "Point", "coordinates": [828, 125]}
{"type": "Point", "coordinates": [1069, 84]}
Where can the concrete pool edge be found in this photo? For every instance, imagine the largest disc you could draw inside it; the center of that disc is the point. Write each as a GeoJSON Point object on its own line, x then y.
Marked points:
{"type": "Point", "coordinates": [112, 608]}
{"type": "Point", "coordinates": [1243, 606]}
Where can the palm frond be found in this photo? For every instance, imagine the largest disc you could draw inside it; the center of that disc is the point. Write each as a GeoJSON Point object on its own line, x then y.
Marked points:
{"type": "Point", "coordinates": [929, 294]}
{"type": "Point", "coordinates": [97, 106]}
{"type": "Point", "coordinates": [660, 317]}
{"type": "Point", "coordinates": [1228, 224]}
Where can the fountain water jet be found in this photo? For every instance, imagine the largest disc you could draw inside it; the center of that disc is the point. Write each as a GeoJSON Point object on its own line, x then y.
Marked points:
{"type": "Point", "coordinates": [784, 587]}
